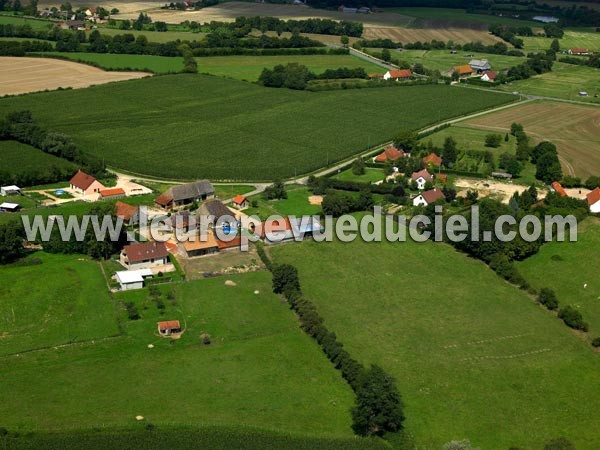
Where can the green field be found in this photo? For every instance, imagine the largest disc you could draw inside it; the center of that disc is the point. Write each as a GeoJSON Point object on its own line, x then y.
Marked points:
{"type": "Point", "coordinates": [260, 371]}
{"type": "Point", "coordinates": [34, 23]}
{"type": "Point", "coordinates": [566, 267]}
{"type": "Point", "coordinates": [443, 60]}
{"type": "Point", "coordinates": [17, 159]}
{"type": "Point", "coordinates": [571, 39]}
{"type": "Point", "coordinates": [457, 17]}
{"type": "Point", "coordinates": [50, 304]}
{"type": "Point", "coordinates": [189, 126]}
{"type": "Point", "coordinates": [565, 81]}
{"type": "Point", "coordinates": [111, 61]}
{"type": "Point", "coordinates": [370, 176]}
{"type": "Point", "coordinates": [296, 204]}
{"type": "Point", "coordinates": [474, 357]}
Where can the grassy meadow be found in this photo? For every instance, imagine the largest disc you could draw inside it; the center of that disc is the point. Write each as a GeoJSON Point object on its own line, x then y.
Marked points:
{"type": "Point", "coordinates": [370, 176]}
{"type": "Point", "coordinates": [194, 126]}
{"type": "Point", "coordinates": [17, 158]}
{"type": "Point", "coordinates": [260, 370]}
{"type": "Point", "coordinates": [571, 39]}
{"type": "Point", "coordinates": [456, 17]}
{"type": "Point", "coordinates": [443, 60]}
{"type": "Point", "coordinates": [296, 203]}
{"type": "Point", "coordinates": [474, 357]}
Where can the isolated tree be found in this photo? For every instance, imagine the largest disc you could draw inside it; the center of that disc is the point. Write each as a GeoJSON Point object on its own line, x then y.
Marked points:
{"type": "Point", "coordinates": [386, 55]}
{"type": "Point", "coordinates": [555, 46]}
{"type": "Point", "coordinates": [548, 168]}
{"type": "Point", "coordinates": [493, 140]}
{"type": "Point", "coordinates": [285, 277]}
{"type": "Point", "coordinates": [276, 191]}
{"type": "Point", "coordinates": [449, 153]}
{"type": "Point", "coordinates": [344, 40]}
{"type": "Point", "coordinates": [515, 127]}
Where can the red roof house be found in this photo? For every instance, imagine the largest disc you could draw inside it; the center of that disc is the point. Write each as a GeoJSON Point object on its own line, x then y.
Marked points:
{"type": "Point", "coordinates": [593, 199]}
{"type": "Point", "coordinates": [433, 160]}
{"type": "Point", "coordinates": [85, 184]}
{"type": "Point", "coordinates": [240, 201]}
{"type": "Point", "coordinates": [559, 189]}
{"type": "Point", "coordinates": [127, 212]}
{"type": "Point", "coordinates": [401, 74]}
{"type": "Point", "coordinates": [168, 327]}
{"type": "Point", "coordinates": [389, 154]}
{"type": "Point", "coordinates": [428, 197]}
{"type": "Point", "coordinates": [144, 255]}
{"type": "Point", "coordinates": [111, 193]}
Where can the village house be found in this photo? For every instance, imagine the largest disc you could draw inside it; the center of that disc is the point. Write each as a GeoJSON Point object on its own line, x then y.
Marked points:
{"type": "Point", "coordinates": [111, 194]}
{"type": "Point", "coordinates": [402, 74]}
{"type": "Point", "coordinates": [389, 154]}
{"type": "Point", "coordinates": [480, 65]}
{"type": "Point", "coordinates": [216, 212]}
{"type": "Point", "coordinates": [145, 255]}
{"type": "Point", "coordinates": [578, 51]}
{"type": "Point", "coordinates": [185, 194]}
{"type": "Point", "coordinates": [432, 160]}
{"type": "Point", "coordinates": [129, 213]}
{"type": "Point", "coordinates": [10, 190]}
{"type": "Point", "coordinates": [132, 279]}
{"type": "Point", "coordinates": [169, 327]}
{"type": "Point", "coordinates": [240, 202]}
{"type": "Point", "coordinates": [557, 187]}
{"type": "Point", "coordinates": [421, 178]}
{"type": "Point", "coordinates": [489, 76]}
{"type": "Point", "coordinates": [463, 71]}
{"type": "Point", "coordinates": [198, 247]}
{"type": "Point", "coordinates": [593, 199]}
{"type": "Point", "coordinates": [85, 184]}
{"type": "Point", "coordinates": [9, 207]}
{"type": "Point", "coordinates": [428, 197]}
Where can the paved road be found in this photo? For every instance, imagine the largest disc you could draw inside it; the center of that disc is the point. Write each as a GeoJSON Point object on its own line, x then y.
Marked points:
{"type": "Point", "coordinates": [371, 59]}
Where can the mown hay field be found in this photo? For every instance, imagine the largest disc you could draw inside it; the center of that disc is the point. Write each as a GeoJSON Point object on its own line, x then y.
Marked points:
{"type": "Point", "coordinates": [575, 129]}
{"type": "Point", "coordinates": [187, 126]}
{"type": "Point", "coordinates": [474, 357]}
{"type": "Point", "coordinates": [21, 75]}
{"type": "Point", "coordinates": [405, 34]}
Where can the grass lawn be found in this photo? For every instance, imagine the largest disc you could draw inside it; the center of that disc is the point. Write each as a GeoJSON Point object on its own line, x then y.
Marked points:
{"type": "Point", "coordinates": [565, 81]}
{"type": "Point", "coordinates": [571, 39]}
{"type": "Point", "coordinates": [36, 24]}
{"type": "Point", "coordinates": [66, 209]}
{"type": "Point", "coordinates": [457, 17]}
{"type": "Point", "coordinates": [295, 204]}
{"type": "Point", "coordinates": [443, 60]}
{"type": "Point", "coordinates": [370, 176]}
{"type": "Point", "coordinates": [64, 299]}
{"type": "Point", "coordinates": [110, 61]}
{"type": "Point", "coordinates": [194, 126]}
{"type": "Point", "coordinates": [260, 371]}
{"type": "Point", "coordinates": [474, 357]}
{"type": "Point", "coordinates": [566, 267]}
{"type": "Point", "coordinates": [225, 191]}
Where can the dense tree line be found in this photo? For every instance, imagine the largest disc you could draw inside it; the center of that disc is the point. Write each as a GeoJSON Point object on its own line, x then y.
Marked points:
{"type": "Point", "coordinates": [591, 61]}
{"type": "Point", "coordinates": [11, 241]}
{"type": "Point", "coordinates": [297, 76]}
{"type": "Point", "coordinates": [535, 64]}
{"type": "Point", "coordinates": [378, 405]}
{"type": "Point", "coordinates": [317, 26]}
{"type": "Point", "coordinates": [20, 48]}
{"type": "Point", "coordinates": [499, 48]}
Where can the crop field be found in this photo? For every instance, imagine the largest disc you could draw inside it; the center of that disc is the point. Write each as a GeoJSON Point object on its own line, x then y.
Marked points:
{"type": "Point", "coordinates": [474, 357]}
{"type": "Point", "coordinates": [59, 310]}
{"type": "Point", "coordinates": [112, 61]}
{"type": "Point", "coordinates": [23, 75]}
{"type": "Point", "coordinates": [571, 39]}
{"type": "Point", "coordinates": [17, 158]}
{"type": "Point", "coordinates": [444, 17]}
{"type": "Point", "coordinates": [443, 60]}
{"type": "Point", "coordinates": [208, 123]}
{"type": "Point", "coordinates": [572, 266]}
{"type": "Point", "coordinates": [573, 128]}
{"type": "Point", "coordinates": [260, 371]}
{"type": "Point", "coordinates": [405, 34]}
{"type": "Point", "coordinates": [36, 24]}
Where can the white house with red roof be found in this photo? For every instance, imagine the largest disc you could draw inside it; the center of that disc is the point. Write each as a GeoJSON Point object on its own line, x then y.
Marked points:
{"type": "Point", "coordinates": [145, 255]}
{"type": "Point", "coordinates": [489, 76]}
{"type": "Point", "coordinates": [421, 178]}
{"type": "Point", "coordinates": [240, 202]}
{"type": "Point", "coordinates": [85, 184]}
{"type": "Point", "coordinates": [428, 197]}
{"type": "Point", "coordinates": [401, 74]}
{"type": "Point", "coordinates": [593, 199]}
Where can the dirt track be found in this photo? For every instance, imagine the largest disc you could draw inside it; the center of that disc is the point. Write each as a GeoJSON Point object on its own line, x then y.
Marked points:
{"type": "Point", "coordinates": [22, 75]}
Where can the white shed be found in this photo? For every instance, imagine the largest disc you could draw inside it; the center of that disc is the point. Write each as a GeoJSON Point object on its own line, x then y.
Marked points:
{"type": "Point", "coordinates": [10, 190]}
{"type": "Point", "coordinates": [130, 279]}
{"type": "Point", "coordinates": [9, 207]}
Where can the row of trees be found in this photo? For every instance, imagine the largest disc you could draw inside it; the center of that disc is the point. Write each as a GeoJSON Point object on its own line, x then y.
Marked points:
{"type": "Point", "coordinates": [297, 76]}
{"type": "Point", "coordinates": [317, 26]}
{"type": "Point", "coordinates": [378, 405]}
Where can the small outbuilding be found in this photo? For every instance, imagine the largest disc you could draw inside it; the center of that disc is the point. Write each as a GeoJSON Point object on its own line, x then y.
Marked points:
{"type": "Point", "coordinates": [10, 190]}
{"type": "Point", "coordinates": [9, 207]}
{"type": "Point", "coordinates": [240, 202]}
{"type": "Point", "coordinates": [593, 199]}
{"type": "Point", "coordinates": [169, 327]}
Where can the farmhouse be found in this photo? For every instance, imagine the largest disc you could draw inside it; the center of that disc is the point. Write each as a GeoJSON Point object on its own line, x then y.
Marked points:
{"type": "Point", "coordinates": [432, 160]}
{"type": "Point", "coordinates": [375, 75]}
{"type": "Point", "coordinates": [185, 194]}
{"type": "Point", "coordinates": [132, 279]}
{"type": "Point", "coordinates": [463, 71]}
{"type": "Point", "coordinates": [421, 178]}
{"type": "Point", "coordinates": [198, 247]}
{"type": "Point", "coordinates": [479, 65]}
{"type": "Point", "coordinates": [85, 184]}
{"type": "Point", "coordinates": [169, 327]}
{"type": "Point", "coordinates": [428, 197]}
{"type": "Point", "coordinates": [489, 76]}
{"type": "Point", "coordinates": [130, 214]}
{"type": "Point", "coordinates": [578, 51]}
{"type": "Point", "coordinates": [276, 231]}
{"type": "Point", "coordinates": [402, 74]}
{"type": "Point", "coordinates": [144, 256]}
{"type": "Point", "coordinates": [389, 154]}
{"type": "Point", "coordinates": [9, 207]}
{"type": "Point", "coordinates": [215, 212]}
{"type": "Point", "coordinates": [593, 199]}
{"type": "Point", "coordinates": [240, 202]}
{"type": "Point", "coordinates": [343, 9]}
{"type": "Point", "coordinates": [557, 187]}
{"type": "Point", "coordinates": [110, 194]}
{"type": "Point", "coordinates": [10, 190]}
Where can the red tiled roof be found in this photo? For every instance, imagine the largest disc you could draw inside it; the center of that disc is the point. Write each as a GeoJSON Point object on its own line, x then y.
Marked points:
{"type": "Point", "coordinates": [559, 189]}
{"type": "Point", "coordinates": [432, 158]}
{"type": "Point", "coordinates": [391, 154]}
{"type": "Point", "coordinates": [402, 73]}
{"type": "Point", "coordinates": [239, 199]}
{"type": "Point", "coordinates": [235, 242]}
{"type": "Point", "coordinates": [491, 74]}
{"type": "Point", "coordinates": [422, 173]}
{"type": "Point", "coordinates": [594, 196]}
{"type": "Point", "coordinates": [579, 50]}
{"type": "Point", "coordinates": [463, 70]}
{"type": "Point", "coordinates": [169, 325]}
{"type": "Point", "coordinates": [144, 252]}
{"type": "Point", "coordinates": [273, 226]}
{"type": "Point", "coordinates": [111, 192]}
{"type": "Point", "coordinates": [432, 195]}
{"type": "Point", "coordinates": [82, 180]}
{"type": "Point", "coordinates": [126, 211]}
{"type": "Point", "coordinates": [163, 199]}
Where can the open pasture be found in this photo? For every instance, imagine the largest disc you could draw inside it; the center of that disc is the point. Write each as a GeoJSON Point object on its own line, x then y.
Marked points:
{"type": "Point", "coordinates": [22, 75]}
{"type": "Point", "coordinates": [575, 129]}
{"type": "Point", "coordinates": [443, 60]}
{"type": "Point", "coordinates": [17, 158]}
{"type": "Point", "coordinates": [188, 126]}
{"type": "Point", "coordinates": [51, 300]}
{"type": "Point", "coordinates": [474, 357]}
{"type": "Point", "coordinates": [571, 39]}
{"type": "Point", "coordinates": [445, 17]}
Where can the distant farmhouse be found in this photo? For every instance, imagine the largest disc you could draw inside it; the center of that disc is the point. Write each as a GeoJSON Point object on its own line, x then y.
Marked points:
{"type": "Point", "coordinates": [9, 207]}
{"type": "Point", "coordinates": [185, 194]}
{"type": "Point", "coordinates": [421, 178]}
{"type": "Point", "coordinates": [130, 214]}
{"type": "Point", "coordinates": [361, 10]}
{"type": "Point", "coordinates": [593, 199]}
{"type": "Point", "coordinates": [402, 74]}
{"type": "Point", "coordinates": [545, 19]}
{"type": "Point", "coordinates": [463, 71]}
{"type": "Point", "coordinates": [216, 210]}
{"type": "Point", "coordinates": [428, 197]}
{"type": "Point", "coordinates": [10, 190]}
{"type": "Point", "coordinates": [489, 76]}
{"type": "Point", "coordinates": [85, 184]}
{"type": "Point", "coordinates": [432, 160]}
{"type": "Point", "coordinates": [480, 65]}
{"type": "Point", "coordinates": [240, 202]}
{"type": "Point", "coordinates": [389, 154]}
{"type": "Point", "coordinates": [144, 256]}
{"type": "Point", "coordinates": [579, 51]}
{"type": "Point", "coordinates": [132, 279]}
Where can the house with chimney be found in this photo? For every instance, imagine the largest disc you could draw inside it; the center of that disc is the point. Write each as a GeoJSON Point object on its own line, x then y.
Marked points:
{"type": "Point", "coordinates": [144, 255]}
